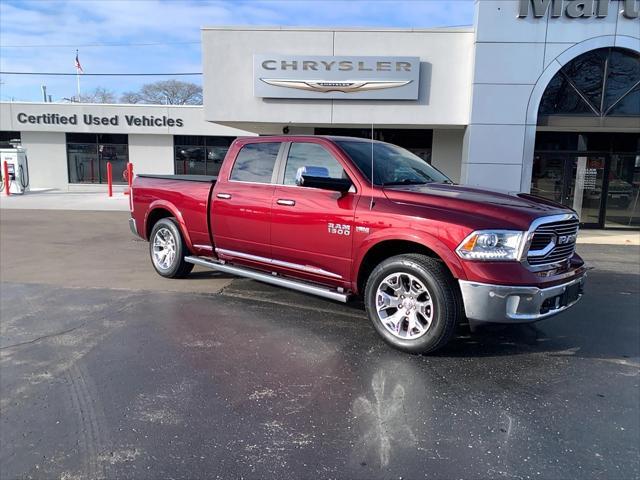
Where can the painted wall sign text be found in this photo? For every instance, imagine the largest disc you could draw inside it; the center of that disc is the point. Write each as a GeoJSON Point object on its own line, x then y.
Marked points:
{"type": "Point", "coordinates": [89, 119]}
{"type": "Point", "coordinates": [577, 8]}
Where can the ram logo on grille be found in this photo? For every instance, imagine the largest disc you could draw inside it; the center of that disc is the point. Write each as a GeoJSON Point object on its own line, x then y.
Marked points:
{"type": "Point", "coordinates": [553, 242]}
{"type": "Point", "coordinates": [565, 239]}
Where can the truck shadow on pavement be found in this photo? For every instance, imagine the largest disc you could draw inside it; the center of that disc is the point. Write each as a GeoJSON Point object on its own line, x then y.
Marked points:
{"type": "Point", "coordinates": [602, 325]}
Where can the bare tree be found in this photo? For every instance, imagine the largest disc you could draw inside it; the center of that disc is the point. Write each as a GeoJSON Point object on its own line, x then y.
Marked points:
{"type": "Point", "coordinates": [98, 95]}
{"type": "Point", "coordinates": [130, 97]}
{"type": "Point", "coordinates": [166, 92]}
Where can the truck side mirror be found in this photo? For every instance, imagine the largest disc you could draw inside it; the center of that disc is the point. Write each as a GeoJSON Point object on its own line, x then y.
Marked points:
{"type": "Point", "coordinates": [310, 171]}
{"type": "Point", "coordinates": [318, 177]}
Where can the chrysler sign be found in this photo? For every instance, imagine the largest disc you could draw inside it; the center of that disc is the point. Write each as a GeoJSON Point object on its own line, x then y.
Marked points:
{"type": "Point", "coordinates": [318, 77]}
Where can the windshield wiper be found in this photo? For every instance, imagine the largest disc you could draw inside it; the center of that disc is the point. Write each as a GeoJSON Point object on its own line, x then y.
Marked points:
{"type": "Point", "coordinates": [406, 181]}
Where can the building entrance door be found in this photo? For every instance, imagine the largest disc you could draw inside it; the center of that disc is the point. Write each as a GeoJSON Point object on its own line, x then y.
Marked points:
{"type": "Point", "coordinates": [603, 188]}
{"type": "Point", "coordinates": [584, 178]}
{"type": "Point", "coordinates": [623, 192]}
{"type": "Point", "coordinates": [575, 180]}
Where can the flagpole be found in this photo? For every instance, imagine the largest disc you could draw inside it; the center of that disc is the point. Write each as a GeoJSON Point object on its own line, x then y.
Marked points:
{"type": "Point", "coordinates": [78, 74]}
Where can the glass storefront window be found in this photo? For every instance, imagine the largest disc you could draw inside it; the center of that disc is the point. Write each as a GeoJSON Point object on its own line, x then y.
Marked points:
{"type": "Point", "coordinates": [600, 179]}
{"type": "Point", "coordinates": [623, 203]}
{"type": "Point", "coordinates": [189, 160]}
{"type": "Point", "coordinates": [596, 173]}
{"type": "Point", "coordinates": [548, 176]}
{"type": "Point", "coordinates": [587, 73]}
{"type": "Point", "coordinates": [561, 97]}
{"type": "Point", "coordinates": [7, 137]}
{"type": "Point", "coordinates": [624, 72]}
{"type": "Point", "coordinates": [199, 155]}
{"type": "Point", "coordinates": [628, 105]}
{"type": "Point", "coordinates": [603, 82]}
{"type": "Point", "coordinates": [88, 154]}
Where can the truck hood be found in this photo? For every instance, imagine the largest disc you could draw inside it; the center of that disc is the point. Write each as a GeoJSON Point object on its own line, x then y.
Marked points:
{"type": "Point", "coordinates": [483, 208]}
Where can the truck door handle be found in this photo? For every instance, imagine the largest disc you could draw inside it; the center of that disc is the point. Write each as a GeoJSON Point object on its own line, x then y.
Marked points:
{"type": "Point", "coordinates": [225, 196]}
{"type": "Point", "coordinates": [285, 202]}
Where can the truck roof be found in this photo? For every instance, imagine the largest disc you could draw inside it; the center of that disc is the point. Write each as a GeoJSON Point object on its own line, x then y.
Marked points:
{"type": "Point", "coordinates": [285, 137]}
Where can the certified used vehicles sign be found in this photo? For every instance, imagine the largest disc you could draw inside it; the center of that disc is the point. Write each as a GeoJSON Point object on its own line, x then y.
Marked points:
{"type": "Point", "coordinates": [334, 77]}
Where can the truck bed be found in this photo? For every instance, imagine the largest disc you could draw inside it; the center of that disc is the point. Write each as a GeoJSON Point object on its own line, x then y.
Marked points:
{"type": "Point", "coordinates": [184, 197]}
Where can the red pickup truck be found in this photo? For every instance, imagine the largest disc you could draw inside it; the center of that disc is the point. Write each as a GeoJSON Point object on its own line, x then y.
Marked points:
{"type": "Point", "coordinates": [341, 217]}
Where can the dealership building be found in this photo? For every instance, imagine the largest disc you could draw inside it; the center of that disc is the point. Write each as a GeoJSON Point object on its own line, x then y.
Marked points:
{"type": "Point", "coordinates": [541, 96]}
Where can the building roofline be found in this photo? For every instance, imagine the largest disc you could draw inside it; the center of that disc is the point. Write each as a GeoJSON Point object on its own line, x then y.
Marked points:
{"type": "Point", "coordinates": [275, 28]}
{"type": "Point", "coordinates": [81, 104]}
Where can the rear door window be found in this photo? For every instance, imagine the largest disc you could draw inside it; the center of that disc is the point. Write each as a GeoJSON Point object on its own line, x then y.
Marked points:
{"type": "Point", "coordinates": [255, 163]}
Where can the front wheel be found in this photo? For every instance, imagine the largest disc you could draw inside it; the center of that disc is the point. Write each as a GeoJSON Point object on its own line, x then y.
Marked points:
{"type": "Point", "coordinates": [412, 302]}
{"type": "Point", "coordinates": [168, 249]}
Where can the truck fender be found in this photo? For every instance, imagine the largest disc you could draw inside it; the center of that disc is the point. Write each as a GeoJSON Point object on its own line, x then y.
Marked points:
{"type": "Point", "coordinates": [429, 241]}
{"type": "Point", "coordinates": [164, 205]}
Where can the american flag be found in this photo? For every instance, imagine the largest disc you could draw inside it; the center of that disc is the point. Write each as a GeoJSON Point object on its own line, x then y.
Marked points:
{"type": "Point", "coordinates": [78, 66]}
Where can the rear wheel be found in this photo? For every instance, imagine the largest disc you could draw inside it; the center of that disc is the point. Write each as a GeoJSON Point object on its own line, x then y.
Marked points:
{"type": "Point", "coordinates": [168, 249]}
{"type": "Point", "coordinates": [412, 302]}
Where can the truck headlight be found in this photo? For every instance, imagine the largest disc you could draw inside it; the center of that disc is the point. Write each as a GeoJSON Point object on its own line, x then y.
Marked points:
{"type": "Point", "coordinates": [492, 245]}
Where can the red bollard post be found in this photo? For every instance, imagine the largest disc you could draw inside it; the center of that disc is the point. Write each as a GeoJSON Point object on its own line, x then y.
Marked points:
{"type": "Point", "coordinates": [109, 179]}
{"type": "Point", "coordinates": [130, 172]}
{"type": "Point", "coordinates": [129, 176]}
{"type": "Point", "coordinates": [7, 182]}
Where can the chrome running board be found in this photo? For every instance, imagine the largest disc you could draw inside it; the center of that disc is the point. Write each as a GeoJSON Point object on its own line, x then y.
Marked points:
{"type": "Point", "coordinates": [272, 279]}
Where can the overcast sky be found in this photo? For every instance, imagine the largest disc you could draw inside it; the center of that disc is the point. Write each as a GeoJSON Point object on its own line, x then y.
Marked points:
{"type": "Point", "coordinates": [42, 35]}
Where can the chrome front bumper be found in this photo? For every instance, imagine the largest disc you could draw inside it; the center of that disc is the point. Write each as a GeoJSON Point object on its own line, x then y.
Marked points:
{"type": "Point", "coordinates": [514, 304]}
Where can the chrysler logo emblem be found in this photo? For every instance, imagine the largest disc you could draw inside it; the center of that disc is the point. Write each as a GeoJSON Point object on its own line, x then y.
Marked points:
{"type": "Point", "coordinates": [345, 86]}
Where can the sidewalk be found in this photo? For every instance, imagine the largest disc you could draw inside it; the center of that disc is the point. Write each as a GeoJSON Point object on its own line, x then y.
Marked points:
{"type": "Point", "coordinates": [47, 199]}
{"type": "Point", "coordinates": [609, 237]}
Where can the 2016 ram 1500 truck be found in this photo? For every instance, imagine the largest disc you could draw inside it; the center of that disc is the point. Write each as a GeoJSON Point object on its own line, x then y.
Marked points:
{"type": "Point", "coordinates": [339, 216]}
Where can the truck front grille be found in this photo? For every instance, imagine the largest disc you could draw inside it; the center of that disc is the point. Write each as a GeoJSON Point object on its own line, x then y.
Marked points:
{"type": "Point", "coordinates": [553, 242]}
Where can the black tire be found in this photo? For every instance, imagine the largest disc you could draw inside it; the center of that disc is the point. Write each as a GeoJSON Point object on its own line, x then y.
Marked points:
{"type": "Point", "coordinates": [442, 290]}
{"type": "Point", "coordinates": [177, 268]}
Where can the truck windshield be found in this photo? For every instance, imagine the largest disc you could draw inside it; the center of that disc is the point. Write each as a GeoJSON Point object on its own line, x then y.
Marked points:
{"type": "Point", "coordinates": [392, 165]}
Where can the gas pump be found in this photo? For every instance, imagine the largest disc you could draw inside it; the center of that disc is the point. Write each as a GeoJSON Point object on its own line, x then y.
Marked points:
{"type": "Point", "coordinates": [17, 167]}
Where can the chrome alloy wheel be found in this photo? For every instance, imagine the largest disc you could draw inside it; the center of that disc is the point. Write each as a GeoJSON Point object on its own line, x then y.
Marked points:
{"type": "Point", "coordinates": [404, 306]}
{"type": "Point", "coordinates": [164, 248]}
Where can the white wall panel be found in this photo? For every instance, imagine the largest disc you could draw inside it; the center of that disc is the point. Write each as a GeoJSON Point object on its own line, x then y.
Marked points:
{"type": "Point", "coordinates": [495, 144]}
{"type": "Point", "coordinates": [47, 155]}
{"type": "Point", "coordinates": [499, 177]}
{"type": "Point", "coordinates": [445, 55]}
{"type": "Point", "coordinates": [508, 63]}
{"type": "Point", "coordinates": [499, 22]}
{"type": "Point", "coordinates": [151, 154]}
{"type": "Point", "coordinates": [575, 30]}
{"type": "Point", "coordinates": [446, 59]}
{"type": "Point", "coordinates": [227, 57]}
{"type": "Point", "coordinates": [500, 104]}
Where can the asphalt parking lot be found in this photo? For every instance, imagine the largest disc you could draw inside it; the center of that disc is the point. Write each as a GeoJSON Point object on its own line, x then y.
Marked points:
{"type": "Point", "coordinates": [109, 371]}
